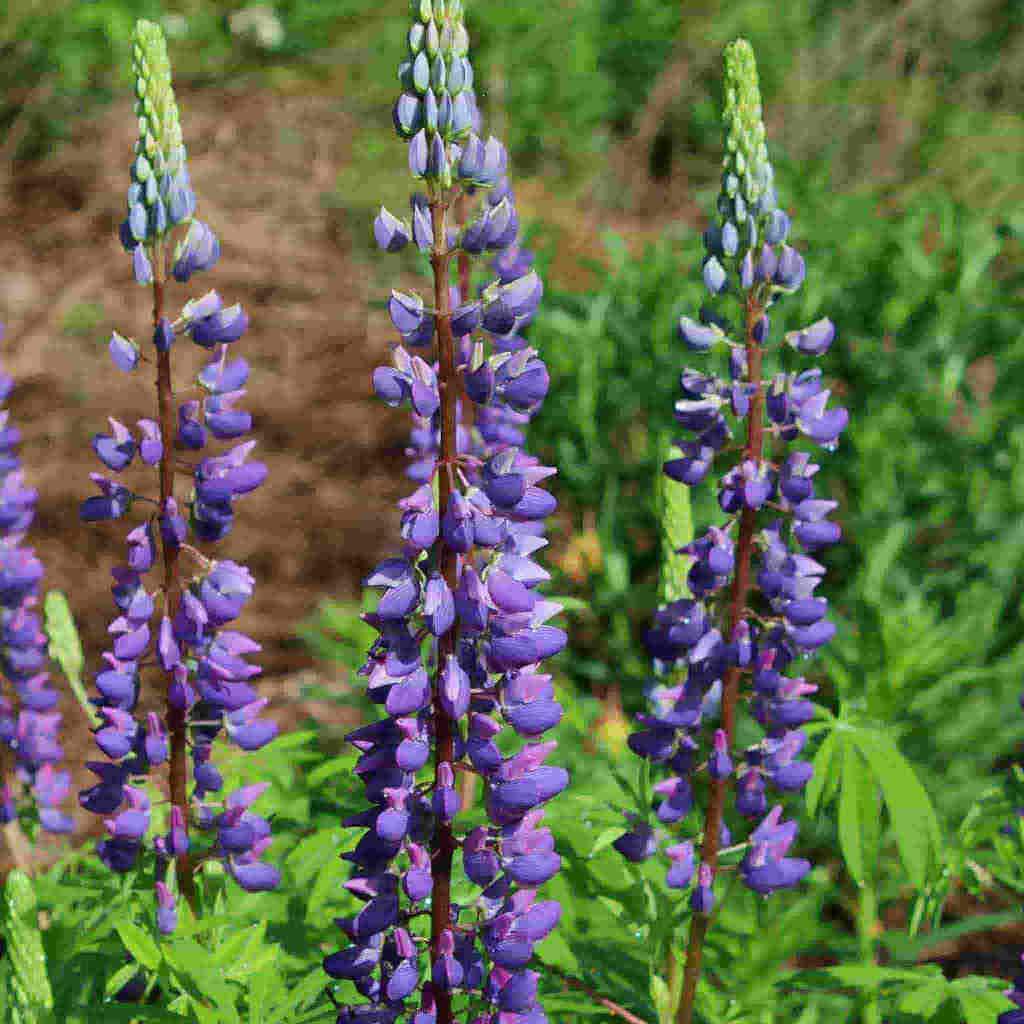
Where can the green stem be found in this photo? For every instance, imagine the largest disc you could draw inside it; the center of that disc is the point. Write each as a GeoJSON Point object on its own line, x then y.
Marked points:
{"type": "Point", "coordinates": [867, 920]}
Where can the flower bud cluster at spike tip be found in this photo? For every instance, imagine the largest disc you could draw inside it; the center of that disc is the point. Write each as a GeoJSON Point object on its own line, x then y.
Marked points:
{"type": "Point", "coordinates": [29, 721]}
{"type": "Point", "coordinates": [160, 197]}
{"type": "Point", "coordinates": [470, 652]}
{"type": "Point", "coordinates": [172, 639]}
{"type": "Point", "coordinates": [752, 612]}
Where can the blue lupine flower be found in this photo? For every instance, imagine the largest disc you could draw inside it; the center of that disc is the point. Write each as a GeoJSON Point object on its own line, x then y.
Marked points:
{"type": "Point", "coordinates": [758, 560]}
{"type": "Point", "coordinates": [203, 662]}
{"type": "Point", "coordinates": [29, 725]}
{"type": "Point", "coordinates": [466, 580]}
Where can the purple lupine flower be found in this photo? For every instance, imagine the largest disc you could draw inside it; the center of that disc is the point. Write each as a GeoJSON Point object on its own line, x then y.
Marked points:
{"type": "Point", "coordinates": [29, 725]}
{"type": "Point", "coordinates": [466, 582]}
{"type": "Point", "coordinates": [204, 661]}
{"type": "Point", "coordinates": [750, 610]}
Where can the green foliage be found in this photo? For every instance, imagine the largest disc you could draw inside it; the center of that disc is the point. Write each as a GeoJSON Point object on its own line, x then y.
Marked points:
{"type": "Point", "coordinates": [898, 144]}
{"type": "Point", "coordinates": [249, 958]}
{"type": "Point", "coordinates": [614, 365]}
{"type": "Point", "coordinates": [27, 997]}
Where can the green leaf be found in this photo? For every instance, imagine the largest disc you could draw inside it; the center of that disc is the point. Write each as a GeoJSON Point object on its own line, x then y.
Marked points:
{"type": "Point", "coordinates": [851, 812]}
{"type": "Point", "coordinates": [119, 979]}
{"type": "Point", "coordinates": [825, 764]}
{"type": "Point", "coordinates": [662, 999]}
{"type": "Point", "coordinates": [925, 1000]}
{"type": "Point", "coordinates": [112, 1013]}
{"type": "Point", "coordinates": [862, 975]}
{"type": "Point", "coordinates": [308, 990]}
{"type": "Point", "coordinates": [328, 769]}
{"type": "Point", "coordinates": [605, 839]}
{"type": "Point", "coordinates": [140, 944]}
{"type": "Point", "coordinates": [980, 1001]}
{"type": "Point", "coordinates": [911, 814]}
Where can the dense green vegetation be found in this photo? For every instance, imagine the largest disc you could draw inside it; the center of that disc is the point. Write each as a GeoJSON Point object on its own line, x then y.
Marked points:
{"type": "Point", "coordinates": [899, 155]}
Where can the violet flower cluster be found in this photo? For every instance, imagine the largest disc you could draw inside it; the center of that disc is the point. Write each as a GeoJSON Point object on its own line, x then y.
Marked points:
{"type": "Point", "coordinates": [462, 629]}
{"type": "Point", "coordinates": [176, 630]}
{"type": "Point", "coordinates": [30, 747]}
{"type": "Point", "coordinates": [752, 613]}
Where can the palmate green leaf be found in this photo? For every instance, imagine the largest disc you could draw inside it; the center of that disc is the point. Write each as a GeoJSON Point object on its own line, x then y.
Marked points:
{"type": "Point", "coordinates": [300, 997]}
{"type": "Point", "coordinates": [852, 812]}
{"type": "Point", "coordinates": [202, 980]}
{"type": "Point", "coordinates": [140, 944]}
{"type": "Point", "coordinates": [858, 976]}
{"type": "Point", "coordinates": [826, 773]}
{"type": "Point", "coordinates": [924, 1000]}
{"type": "Point", "coordinates": [980, 999]}
{"type": "Point", "coordinates": [913, 818]}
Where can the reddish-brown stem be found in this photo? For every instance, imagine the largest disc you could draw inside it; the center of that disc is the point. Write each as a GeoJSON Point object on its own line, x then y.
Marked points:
{"type": "Point", "coordinates": [176, 717]}
{"type": "Point", "coordinates": [443, 846]}
{"type": "Point", "coordinates": [731, 683]}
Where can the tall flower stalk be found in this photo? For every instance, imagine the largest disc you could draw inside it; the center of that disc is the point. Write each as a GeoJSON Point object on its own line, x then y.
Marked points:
{"type": "Point", "coordinates": [462, 630]}
{"type": "Point", "coordinates": [199, 676]}
{"type": "Point", "coordinates": [751, 612]}
{"type": "Point", "coordinates": [30, 748]}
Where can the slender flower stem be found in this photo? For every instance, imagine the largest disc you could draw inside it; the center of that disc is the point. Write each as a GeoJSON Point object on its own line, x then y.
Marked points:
{"type": "Point", "coordinates": [443, 846]}
{"type": "Point", "coordinates": [730, 685]}
{"type": "Point", "coordinates": [176, 717]}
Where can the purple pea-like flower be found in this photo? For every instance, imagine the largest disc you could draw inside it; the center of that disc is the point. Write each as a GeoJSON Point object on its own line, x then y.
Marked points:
{"type": "Point", "coordinates": [461, 627]}
{"type": "Point", "coordinates": [29, 725]}
{"type": "Point", "coordinates": [204, 663]}
{"type": "Point", "coordinates": [757, 560]}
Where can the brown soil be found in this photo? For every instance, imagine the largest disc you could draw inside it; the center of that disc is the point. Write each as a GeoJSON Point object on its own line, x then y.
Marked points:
{"type": "Point", "coordinates": [335, 455]}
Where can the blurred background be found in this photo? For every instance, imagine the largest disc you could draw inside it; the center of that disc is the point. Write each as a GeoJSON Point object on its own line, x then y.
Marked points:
{"type": "Point", "coordinates": [897, 135]}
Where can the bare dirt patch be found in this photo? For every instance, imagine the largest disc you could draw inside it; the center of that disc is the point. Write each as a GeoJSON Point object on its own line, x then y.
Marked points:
{"type": "Point", "coordinates": [261, 165]}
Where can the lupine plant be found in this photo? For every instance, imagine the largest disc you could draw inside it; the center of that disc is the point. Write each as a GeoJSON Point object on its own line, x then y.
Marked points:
{"type": "Point", "coordinates": [176, 676]}
{"type": "Point", "coordinates": [30, 746]}
{"type": "Point", "coordinates": [462, 630]}
{"type": "Point", "coordinates": [752, 612]}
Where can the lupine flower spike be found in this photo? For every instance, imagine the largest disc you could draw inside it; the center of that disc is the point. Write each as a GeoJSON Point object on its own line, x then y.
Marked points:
{"type": "Point", "coordinates": [462, 629]}
{"type": "Point", "coordinates": [173, 653]}
{"type": "Point", "coordinates": [30, 749]}
{"type": "Point", "coordinates": [751, 611]}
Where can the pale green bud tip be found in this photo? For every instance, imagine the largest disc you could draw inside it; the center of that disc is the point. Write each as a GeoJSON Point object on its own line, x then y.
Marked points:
{"type": "Point", "coordinates": [149, 53]}
{"type": "Point", "coordinates": [742, 96]}
{"type": "Point", "coordinates": [157, 109]}
{"type": "Point", "coordinates": [746, 153]}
